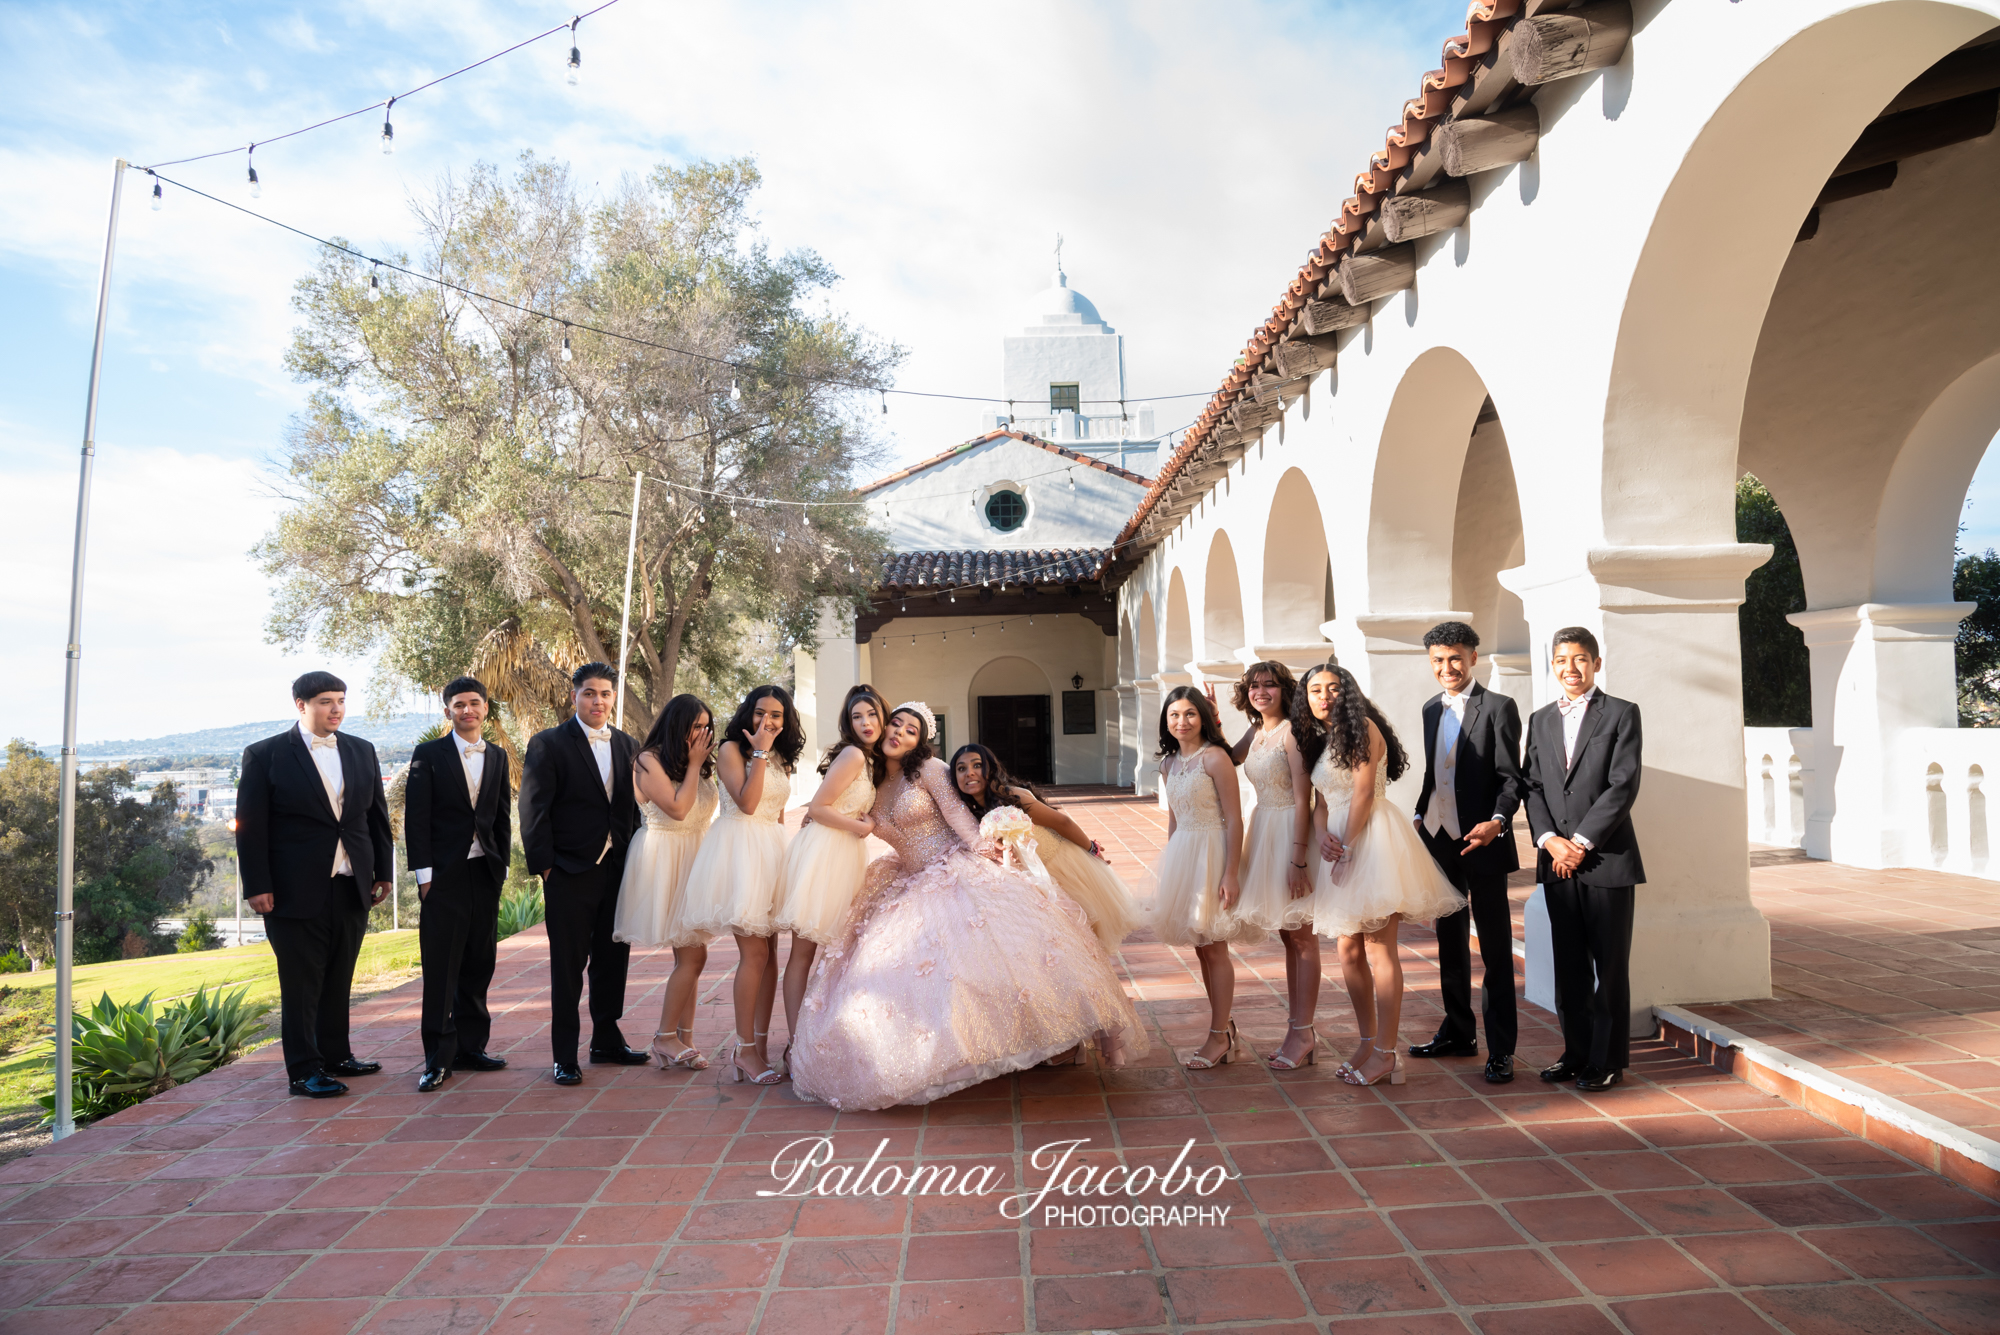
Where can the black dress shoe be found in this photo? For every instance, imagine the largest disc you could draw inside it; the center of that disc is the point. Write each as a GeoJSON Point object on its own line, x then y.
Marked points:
{"type": "Point", "coordinates": [1594, 1081]}
{"type": "Point", "coordinates": [618, 1056]}
{"type": "Point", "coordinates": [433, 1078]}
{"type": "Point", "coordinates": [1499, 1070]}
{"type": "Point", "coordinates": [568, 1073]}
{"type": "Point", "coordinates": [1445, 1047]}
{"type": "Point", "coordinates": [1562, 1072]}
{"type": "Point", "coordinates": [478, 1061]}
{"type": "Point", "coordinates": [353, 1067]}
{"type": "Point", "coordinates": [318, 1086]}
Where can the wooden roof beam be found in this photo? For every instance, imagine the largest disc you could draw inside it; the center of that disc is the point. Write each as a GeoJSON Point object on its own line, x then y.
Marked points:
{"type": "Point", "coordinates": [1482, 143]}
{"type": "Point", "coordinates": [1407, 217]}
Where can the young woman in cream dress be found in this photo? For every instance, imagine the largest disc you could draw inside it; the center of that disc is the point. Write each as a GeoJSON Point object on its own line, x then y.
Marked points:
{"type": "Point", "coordinates": [1070, 857]}
{"type": "Point", "coordinates": [674, 779]}
{"type": "Point", "coordinates": [824, 865]}
{"type": "Point", "coordinates": [733, 885]}
{"type": "Point", "coordinates": [1198, 893]}
{"type": "Point", "coordinates": [1374, 870]}
{"type": "Point", "coordinates": [1277, 858]}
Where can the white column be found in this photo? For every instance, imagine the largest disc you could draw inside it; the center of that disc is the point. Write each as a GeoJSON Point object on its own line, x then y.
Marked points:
{"type": "Point", "coordinates": [823, 679]}
{"type": "Point", "coordinates": [1878, 670]}
{"type": "Point", "coordinates": [1665, 618]}
{"type": "Point", "coordinates": [1128, 735]}
{"type": "Point", "coordinates": [1385, 652]}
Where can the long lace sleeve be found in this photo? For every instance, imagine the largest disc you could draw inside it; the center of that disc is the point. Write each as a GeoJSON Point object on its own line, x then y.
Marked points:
{"type": "Point", "coordinates": [937, 782]}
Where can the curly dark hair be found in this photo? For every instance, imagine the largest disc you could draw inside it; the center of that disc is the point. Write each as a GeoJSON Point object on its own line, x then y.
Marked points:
{"type": "Point", "coordinates": [878, 768]}
{"type": "Point", "coordinates": [914, 759]}
{"type": "Point", "coordinates": [791, 738]}
{"type": "Point", "coordinates": [999, 783]}
{"type": "Point", "coordinates": [1346, 732]}
{"type": "Point", "coordinates": [1449, 633]}
{"type": "Point", "coordinates": [668, 737]}
{"type": "Point", "coordinates": [1211, 726]}
{"type": "Point", "coordinates": [1288, 686]}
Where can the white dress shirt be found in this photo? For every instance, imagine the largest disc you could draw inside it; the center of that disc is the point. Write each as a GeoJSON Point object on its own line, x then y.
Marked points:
{"type": "Point", "coordinates": [1572, 725]}
{"type": "Point", "coordinates": [325, 752]}
{"type": "Point", "coordinates": [1441, 813]}
{"type": "Point", "coordinates": [473, 756]}
{"type": "Point", "coordinates": [600, 750]}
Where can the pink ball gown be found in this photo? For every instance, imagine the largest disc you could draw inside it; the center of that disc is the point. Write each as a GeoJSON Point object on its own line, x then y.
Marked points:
{"type": "Point", "coordinates": [951, 969]}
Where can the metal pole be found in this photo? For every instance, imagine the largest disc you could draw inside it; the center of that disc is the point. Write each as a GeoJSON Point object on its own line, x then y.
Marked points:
{"type": "Point", "coordinates": [625, 619]}
{"type": "Point", "coordinates": [65, 1122]}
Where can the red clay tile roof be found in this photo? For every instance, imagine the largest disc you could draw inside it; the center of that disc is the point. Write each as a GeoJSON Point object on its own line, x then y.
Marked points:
{"type": "Point", "coordinates": [917, 570]}
{"type": "Point", "coordinates": [973, 444]}
{"type": "Point", "coordinates": [1466, 58]}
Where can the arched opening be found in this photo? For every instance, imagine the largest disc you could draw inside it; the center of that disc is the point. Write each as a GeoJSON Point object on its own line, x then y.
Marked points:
{"type": "Point", "coordinates": [1298, 574]}
{"type": "Point", "coordinates": [1180, 629]}
{"type": "Point", "coordinates": [1148, 646]}
{"type": "Point", "coordinates": [1221, 607]}
{"type": "Point", "coordinates": [1011, 712]}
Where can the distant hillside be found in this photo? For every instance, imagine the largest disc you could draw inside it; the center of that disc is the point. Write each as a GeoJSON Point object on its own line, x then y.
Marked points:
{"type": "Point", "coordinates": [395, 733]}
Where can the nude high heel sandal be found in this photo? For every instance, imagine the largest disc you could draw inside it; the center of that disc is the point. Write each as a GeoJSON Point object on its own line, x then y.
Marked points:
{"type": "Point", "coordinates": [1368, 1040]}
{"type": "Point", "coordinates": [1235, 1049]}
{"type": "Point", "coordinates": [1395, 1074]}
{"type": "Point", "coordinates": [1278, 1061]}
{"type": "Point", "coordinates": [688, 1056]}
{"type": "Point", "coordinates": [765, 1077]}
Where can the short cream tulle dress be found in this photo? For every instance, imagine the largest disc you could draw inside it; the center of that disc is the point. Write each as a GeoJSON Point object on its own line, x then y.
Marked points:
{"type": "Point", "coordinates": [1270, 842]}
{"type": "Point", "coordinates": [733, 886]}
{"type": "Point", "coordinates": [1387, 870]}
{"type": "Point", "coordinates": [657, 865]}
{"type": "Point", "coordinates": [1187, 907]}
{"type": "Point", "coordinates": [823, 870]}
{"type": "Point", "coordinates": [1100, 892]}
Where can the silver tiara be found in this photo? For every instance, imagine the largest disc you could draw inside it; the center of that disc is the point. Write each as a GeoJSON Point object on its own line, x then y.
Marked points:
{"type": "Point", "coordinates": [923, 711]}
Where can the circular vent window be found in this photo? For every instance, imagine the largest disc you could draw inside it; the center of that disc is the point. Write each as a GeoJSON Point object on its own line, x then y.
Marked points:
{"type": "Point", "coordinates": [1006, 510]}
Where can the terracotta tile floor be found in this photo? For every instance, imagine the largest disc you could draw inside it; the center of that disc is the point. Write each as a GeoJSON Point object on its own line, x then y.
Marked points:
{"type": "Point", "coordinates": [1683, 1201]}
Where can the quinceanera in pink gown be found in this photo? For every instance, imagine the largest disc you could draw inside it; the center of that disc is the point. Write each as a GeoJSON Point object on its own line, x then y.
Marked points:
{"type": "Point", "coordinates": [951, 969]}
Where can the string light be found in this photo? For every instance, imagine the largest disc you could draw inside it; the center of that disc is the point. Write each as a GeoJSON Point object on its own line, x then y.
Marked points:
{"type": "Point", "coordinates": [735, 394]}
{"type": "Point", "coordinates": [256, 189]}
{"type": "Point", "coordinates": [156, 195]}
{"type": "Point", "coordinates": [388, 130]}
{"type": "Point", "coordinates": [1071, 475]}
{"type": "Point", "coordinates": [885, 401]}
{"type": "Point", "coordinates": [575, 56]}
{"type": "Point", "coordinates": [566, 354]}
{"type": "Point", "coordinates": [374, 287]}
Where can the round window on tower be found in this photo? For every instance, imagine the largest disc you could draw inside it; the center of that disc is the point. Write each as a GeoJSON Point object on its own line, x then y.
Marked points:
{"type": "Point", "coordinates": [1006, 510]}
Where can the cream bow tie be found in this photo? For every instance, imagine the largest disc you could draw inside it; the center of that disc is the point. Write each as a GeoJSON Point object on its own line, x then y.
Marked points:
{"type": "Point", "coordinates": [330, 743]}
{"type": "Point", "coordinates": [1567, 706]}
{"type": "Point", "coordinates": [475, 748]}
{"type": "Point", "coordinates": [598, 734]}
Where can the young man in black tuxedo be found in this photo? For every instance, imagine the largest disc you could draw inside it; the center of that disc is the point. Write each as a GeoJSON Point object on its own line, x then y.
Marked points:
{"type": "Point", "coordinates": [1583, 777]}
{"type": "Point", "coordinates": [577, 816]}
{"type": "Point", "coordinates": [1472, 747]}
{"type": "Point", "coordinates": [314, 847]}
{"type": "Point", "coordinates": [459, 824]}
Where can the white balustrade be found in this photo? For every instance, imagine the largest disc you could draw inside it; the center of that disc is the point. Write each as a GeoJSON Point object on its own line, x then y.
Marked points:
{"type": "Point", "coordinates": [1942, 773]}
{"type": "Point", "coordinates": [1775, 764]}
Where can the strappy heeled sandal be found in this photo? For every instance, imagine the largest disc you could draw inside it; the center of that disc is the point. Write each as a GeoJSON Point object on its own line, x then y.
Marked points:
{"type": "Point", "coordinates": [765, 1077]}
{"type": "Point", "coordinates": [689, 1056]}
{"type": "Point", "coordinates": [1235, 1048]}
{"type": "Point", "coordinates": [1340, 1070]}
{"type": "Point", "coordinates": [1395, 1075]}
{"type": "Point", "coordinates": [1278, 1061]}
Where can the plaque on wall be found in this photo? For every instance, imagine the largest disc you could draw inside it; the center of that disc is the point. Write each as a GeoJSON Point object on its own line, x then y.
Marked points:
{"type": "Point", "coordinates": [1079, 711]}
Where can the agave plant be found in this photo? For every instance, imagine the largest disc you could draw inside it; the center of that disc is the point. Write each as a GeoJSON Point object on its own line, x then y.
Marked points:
{"type": "Point", "coordinates": [520, 909]}
{"type": "Point", "coordinates": [130, 1050]}
{"type": "Point", "coordinates": [227, 1019]}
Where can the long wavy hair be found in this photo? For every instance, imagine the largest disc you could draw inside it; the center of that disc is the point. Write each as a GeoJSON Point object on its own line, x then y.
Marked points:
{"type": "Point", "coordinates": [791, 738]}
{"type": "Point", "coordinates": [668, 739]}
{"type": "Point", "coordinates": [1211, 726]}
{"type": "Point", "coordinates": [1288, 687]}
{"type": "Point", "coordinates": [918, 754]}
{"type": "Point", "coordinates": [999, 783]}
{"type": "Point", "coordinates": [878, 767]}
{"type": "Point", "coordinates": [1345, 733]}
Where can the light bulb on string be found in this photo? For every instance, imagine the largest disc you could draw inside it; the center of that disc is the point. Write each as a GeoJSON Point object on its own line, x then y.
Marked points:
{"type": "Point", "coordinates": [567, 355]}
{"type": "Point", "coordinates": [913, 641]}
{"type": "Point", "coordinates": [374, 287]}
{"type": "Point", "coordinates": [1071, 475]}
{"type": "Point", "coordinates": [885, 401]}
{"type": "Point", "coordinates": [735, 394]}
{"type": "Point", "coordinates": [388, 130]}
{"type": "Point", "coordinates": [575, 56]}
{"type": "Point", "coordinates": [256, 188]}
{"type": "Point", "coordinates": [975, 632]}
{"type": "Point", "coordinates": [945, 636]}
{"type": "Point", "coordinates": [156, 196]}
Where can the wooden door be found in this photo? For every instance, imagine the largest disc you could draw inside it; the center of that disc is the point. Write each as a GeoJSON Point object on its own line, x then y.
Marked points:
{"type": "Point", "coordinates": [1017, 728]}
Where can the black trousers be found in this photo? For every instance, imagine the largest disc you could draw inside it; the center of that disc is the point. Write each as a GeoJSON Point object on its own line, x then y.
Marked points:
{"type": "Point", "coordinates": [580, 909]}
{"type": "Point", "coordinates": [1486, 893]}
{"type": "Point", "coordinates": [1590, 928]}
{"type": "Point", "coordinates": [315, 973]}
{"type": "Point", "coordinates": [455, 933]}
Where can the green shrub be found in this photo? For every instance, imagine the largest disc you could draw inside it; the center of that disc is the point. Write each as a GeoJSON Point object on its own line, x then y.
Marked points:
{"type": "Point", "coordinates": [120, 1055]}
{"type": "Point", "coordinates": [13, 962]}
{"type": "Point", "coordinates": [520, 909]}
{"type": "Point", "coordinates": [199, 934]}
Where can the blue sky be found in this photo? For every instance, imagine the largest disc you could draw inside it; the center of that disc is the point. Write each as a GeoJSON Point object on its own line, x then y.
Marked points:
{"type": "Point", "coordinates": [930, 153]}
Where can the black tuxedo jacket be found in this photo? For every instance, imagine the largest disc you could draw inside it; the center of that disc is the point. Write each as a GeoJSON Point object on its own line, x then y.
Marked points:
{"type": "Point", "coordinates": [1593, 795]}
{"type": "Point", "coordinates": [1488, 780]}
{"type": "Point", "coordinates": [564, 812]}
{"type": "Point", "coordinates": [286, 831]}
{"type": "Point", "coordinates": [440, 818]}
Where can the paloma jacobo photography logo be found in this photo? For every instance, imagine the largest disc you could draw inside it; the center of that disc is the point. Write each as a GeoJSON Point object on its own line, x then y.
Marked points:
{"type": "Point", "coordinates": [1068, 1194]}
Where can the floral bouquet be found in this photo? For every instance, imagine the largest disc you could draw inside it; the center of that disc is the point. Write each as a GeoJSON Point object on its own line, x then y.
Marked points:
{"type": "Point", "coordinates": [1009, 829]}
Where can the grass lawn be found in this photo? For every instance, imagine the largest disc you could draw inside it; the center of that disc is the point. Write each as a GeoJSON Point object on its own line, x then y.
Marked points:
{"type": "Point", "coordinates": [30, 997]}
